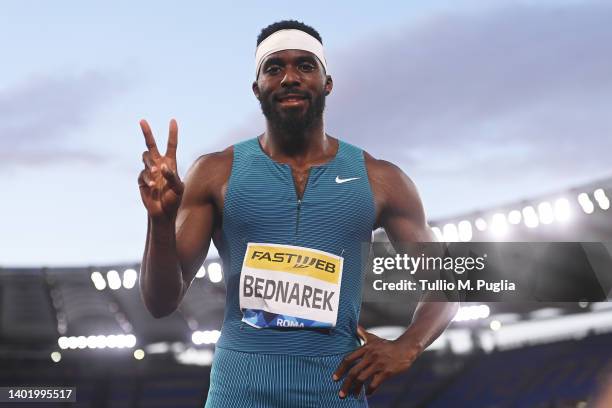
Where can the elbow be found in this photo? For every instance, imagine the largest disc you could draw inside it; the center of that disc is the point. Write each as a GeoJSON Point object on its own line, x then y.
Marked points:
{"type": "Point", "coordinates": [160, 304]}
{"type": "Point", "coordinates": [159, 309]}
{"type": "Point", "coordinates": [160, 312]}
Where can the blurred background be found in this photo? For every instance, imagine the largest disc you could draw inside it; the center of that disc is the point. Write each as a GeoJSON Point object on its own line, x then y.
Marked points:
{"type": "Point", "coordinates": [499, 112]}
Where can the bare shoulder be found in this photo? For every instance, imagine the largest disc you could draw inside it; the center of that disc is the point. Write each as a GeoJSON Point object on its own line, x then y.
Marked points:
{"type": "Point", "coordinates": [209, 173]}
{"type": "Point", "coordinates": [387, 178]}
{"type": "Point", "coordinates": [394, 192]}
{"type": "Point", "coordinates": [215, 162]}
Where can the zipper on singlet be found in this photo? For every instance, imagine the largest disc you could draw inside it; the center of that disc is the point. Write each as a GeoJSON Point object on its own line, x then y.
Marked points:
{"type": "Point", "coordinates": [297, 222]}
{"type": "Point", "coordinates": [299, 203]}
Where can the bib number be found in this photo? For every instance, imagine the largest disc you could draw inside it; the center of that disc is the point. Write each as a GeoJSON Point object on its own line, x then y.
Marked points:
{"type": "Point", "coordinates": [289, 286]}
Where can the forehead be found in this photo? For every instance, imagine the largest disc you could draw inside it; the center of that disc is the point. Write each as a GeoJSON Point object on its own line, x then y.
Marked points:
{"type": "Point", "coordinates": [289, 55]}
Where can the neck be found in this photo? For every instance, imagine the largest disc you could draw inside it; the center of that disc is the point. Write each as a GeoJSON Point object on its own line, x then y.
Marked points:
{"type": "Point", "coordinates": [299, 147]}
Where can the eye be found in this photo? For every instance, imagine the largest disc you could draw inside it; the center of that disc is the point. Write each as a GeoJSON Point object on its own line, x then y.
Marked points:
{"type": "Point", "coordinates": [307, 67]}
{"type": "Point", "coordinates": [272, 69]}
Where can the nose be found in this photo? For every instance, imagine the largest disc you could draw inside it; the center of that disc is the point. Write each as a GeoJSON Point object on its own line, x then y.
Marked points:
{"type": "Point", "coordinates": [291, 78]}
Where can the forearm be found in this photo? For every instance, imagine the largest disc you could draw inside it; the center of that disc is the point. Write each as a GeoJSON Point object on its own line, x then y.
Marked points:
{"type": "Point", "coordinates": [161, 278]}
{"type": "Point", "coordinates": [429, 321]}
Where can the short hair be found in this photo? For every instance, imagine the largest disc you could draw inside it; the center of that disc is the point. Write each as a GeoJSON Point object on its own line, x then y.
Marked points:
{"type": "Point", "coordinates": [287, 25]}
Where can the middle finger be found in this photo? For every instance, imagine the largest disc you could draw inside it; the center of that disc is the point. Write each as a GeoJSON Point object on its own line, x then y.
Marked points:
{"type": "Point", "coordinates": [351, 377]}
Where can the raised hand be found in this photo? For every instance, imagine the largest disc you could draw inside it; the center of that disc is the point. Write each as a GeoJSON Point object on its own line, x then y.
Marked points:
{"type": "Point", "coordinates": [161, 188]}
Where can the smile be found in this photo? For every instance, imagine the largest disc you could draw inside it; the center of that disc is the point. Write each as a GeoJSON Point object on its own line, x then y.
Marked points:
{"type": "Point", "coordinates": [291, 98]}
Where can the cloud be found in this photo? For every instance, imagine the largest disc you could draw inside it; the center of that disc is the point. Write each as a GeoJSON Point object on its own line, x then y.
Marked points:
{"type": "Point", "coordinates": [519, 96]}
{"type": "Point", "coordinates": [38, 115]}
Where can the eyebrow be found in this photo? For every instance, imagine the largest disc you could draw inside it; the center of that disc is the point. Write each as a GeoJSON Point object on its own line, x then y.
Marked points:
{"type": "Point", "coordinates": [280, 61]}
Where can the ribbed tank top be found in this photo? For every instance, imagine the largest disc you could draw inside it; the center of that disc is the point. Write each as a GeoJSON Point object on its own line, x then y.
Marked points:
{"type": "Point", "coordinates": [261, 205]}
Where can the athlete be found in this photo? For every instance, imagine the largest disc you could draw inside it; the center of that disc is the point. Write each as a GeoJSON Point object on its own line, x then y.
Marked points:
{"type": "Point", "coordinates": [288, 211]}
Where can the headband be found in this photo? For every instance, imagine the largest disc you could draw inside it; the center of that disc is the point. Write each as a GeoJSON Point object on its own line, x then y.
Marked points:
{"type": "Point", "coordinates": [288, 39]}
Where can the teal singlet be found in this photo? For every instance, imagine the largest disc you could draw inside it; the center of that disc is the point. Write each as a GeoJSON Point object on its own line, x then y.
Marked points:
{"type": "Point", "coordinates": [335, 215]}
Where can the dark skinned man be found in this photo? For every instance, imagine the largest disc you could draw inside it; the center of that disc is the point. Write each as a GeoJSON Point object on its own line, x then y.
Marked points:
{"type": "Point", "coordinates": [288, 212]}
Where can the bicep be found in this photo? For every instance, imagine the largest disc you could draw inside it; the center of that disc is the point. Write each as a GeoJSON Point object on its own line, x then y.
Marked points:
{"type": "Point", "coordinates": [406, 226]}
{"type": "Point", "coordinates": [403, 216]}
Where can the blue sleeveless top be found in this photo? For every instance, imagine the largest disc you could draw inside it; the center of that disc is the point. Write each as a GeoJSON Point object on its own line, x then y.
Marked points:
{"type": "Point", "coordinates": [334, 215]}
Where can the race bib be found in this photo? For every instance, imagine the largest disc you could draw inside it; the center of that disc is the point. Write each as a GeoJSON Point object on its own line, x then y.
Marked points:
{"type": "Point", "coordinates": [289, 286]}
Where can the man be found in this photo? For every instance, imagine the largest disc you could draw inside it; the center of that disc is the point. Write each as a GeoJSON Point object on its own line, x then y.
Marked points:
{"type": "Point", "coordinates": [288, 212]}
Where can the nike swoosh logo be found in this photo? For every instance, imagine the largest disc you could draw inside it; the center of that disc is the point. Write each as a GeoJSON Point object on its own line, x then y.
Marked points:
{"type": "Point", "coordinates": [340, 181]}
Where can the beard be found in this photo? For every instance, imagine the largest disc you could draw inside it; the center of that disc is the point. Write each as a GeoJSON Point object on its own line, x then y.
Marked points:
{"type": "Point", "coordinates": [292, 125]}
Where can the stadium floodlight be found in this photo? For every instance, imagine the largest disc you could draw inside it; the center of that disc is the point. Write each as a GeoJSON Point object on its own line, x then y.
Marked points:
{"type": "Point", "coordinates": [601, 198]}
{"type": "Point", "coordinates": [213, 336]}
{"type": "Point", "coordinates": [495, 325]}
{"type": "Point", "coordinates": [585, 202]}
{"type": "Point", "coordinates": [157, 348]}
{"type": "Point", "coordinates": [196, 337]}
{"type": "Point", "coordinates": [460, 341]}
{"type": "Point", "coordinates": [438, 233]}
{"type": "Point", "coordinates": [130, 276]}
{"type": "Point", "coordinates": [530, 217]}
{"type": "Point", "coordinates": [545, 212]}
{"type": "Point", "coordinates": [114, 281]}
{"type": "Point", "coordinates": [101, 341]}
{"type": "Point", "coordinates": [450, 233]}
{"type": "Point", "coordinates": [73, 343]}
{"type": "Point", "coordinates": [562, 209]}
{"type": "Point", "coordinates": [600, 194]}
{"type": "Point", "coordinates": [98, 280]}
{"type": "Point", "coordinates": [466, 313]}
{"type": "Point", "coordinates": [56, 356]}
{"type": "Point", "coordinates": [480, 224]}
{"type": "Point", "coordinates": [604, 204]}
{"type": "Point", "coordinates": [465, 230]}
{"type": "Point", "coordinates": [514, 217]}
{"type": "Point", "coordinates": [201, 272]}
{"type": "Point", "coordinates": [193, 356]}
{"type": "Point", "coordinates": [82, 342]}
{"type": "Point", "coordinates": [214, 272]}
{"type": "Point", "coordinates": [62, 342]}
{"type": "Point", "coordinates": [139, 354]}
{"type": "Point", "coordinates": [113, 341]}
{"type": "Point", "coordinates": [92, 342]}
{"type": "Point", "coordinates": [130, 341]}
{"type": "Point", "coordinates": [205, 337]}
{"type": "Point", "coordinates": [499, 226]}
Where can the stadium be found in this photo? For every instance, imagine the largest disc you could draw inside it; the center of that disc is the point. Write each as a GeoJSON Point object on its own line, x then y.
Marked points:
{"type": "Point", "coordinates": [87, 327]}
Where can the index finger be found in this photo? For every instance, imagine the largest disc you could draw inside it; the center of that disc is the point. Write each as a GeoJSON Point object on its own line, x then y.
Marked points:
{"type": "Point", "coordinates": [172, 140]}
{"type": "Point", "coordinates": [149, 140]}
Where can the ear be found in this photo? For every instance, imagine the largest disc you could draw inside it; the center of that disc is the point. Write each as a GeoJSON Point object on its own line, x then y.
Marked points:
{"type": "Point", "coordinates": [255, 88]}
{"type": "Point", "coordinates": [329, 84]}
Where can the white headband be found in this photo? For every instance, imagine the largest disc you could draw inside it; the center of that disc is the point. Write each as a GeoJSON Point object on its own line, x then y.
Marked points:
{"type": "Point", "coordinates": [288, 39]}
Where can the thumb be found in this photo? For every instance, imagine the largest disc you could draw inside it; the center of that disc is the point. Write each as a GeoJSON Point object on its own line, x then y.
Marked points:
{"type": "Point", "coordinates": [363, 334]}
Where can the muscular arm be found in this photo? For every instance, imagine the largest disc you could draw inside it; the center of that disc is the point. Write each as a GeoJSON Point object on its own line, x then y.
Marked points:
{"type": "Point", "coordinates": [175, 249]}
{"type": "Point", "coordinates": [400, 212]}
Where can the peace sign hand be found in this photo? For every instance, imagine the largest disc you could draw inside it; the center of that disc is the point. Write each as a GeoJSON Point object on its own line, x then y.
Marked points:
{"type": "Point", "coordinates": [161, 188]}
